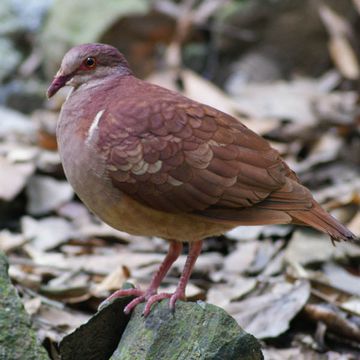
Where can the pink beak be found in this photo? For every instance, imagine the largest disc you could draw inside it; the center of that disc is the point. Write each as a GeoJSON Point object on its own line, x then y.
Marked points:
{"type": "Point", "coordinates": [58, 82]}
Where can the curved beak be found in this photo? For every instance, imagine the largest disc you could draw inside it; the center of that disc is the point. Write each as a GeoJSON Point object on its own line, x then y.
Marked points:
{"type": "Point", "coordinates": [58, 82]}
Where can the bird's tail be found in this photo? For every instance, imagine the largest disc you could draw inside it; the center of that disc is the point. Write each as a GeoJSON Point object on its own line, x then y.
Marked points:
{"type": "Point", "coordinates": [319, 219]}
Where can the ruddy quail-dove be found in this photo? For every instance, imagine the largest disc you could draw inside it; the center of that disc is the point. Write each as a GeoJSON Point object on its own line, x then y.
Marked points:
{"type": "Point", "coordinates": [152, 162]}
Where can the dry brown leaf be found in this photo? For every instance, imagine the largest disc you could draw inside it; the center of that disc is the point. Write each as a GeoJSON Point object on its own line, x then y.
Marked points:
{"type": "Point", "coordinates": [334, 319]}
{"type": "Point", "coordinates": [10, 241]}
{"type": "Point", "coordinates": [297, 96]}
{"type": "Point", "coordinates": [275, 265]}
{"type": "Point", "coordinates": [340, 49]}
{"type": "Point", "coordinates": [344, 57]}
{"type": "Point", "coordinates": [13, 177]}
{"type": "Point", "coordinates": [111, 282]}
{"type": "Point", "coordinates": [256, 314]}
{"type": "Point", "coordinates": [306, 247]}
{"type": "Point", "coordinates": [22, 275]}
{"type": "Point", "coordinates": [302, 353]}
{"type": "Point", "coordinates": [47, 233]}
{"type": "Point", "coordinates": [64, 320]}
{"type": "Point", "coordinates": [266, 251]}
{"type": "Point", "coordinates": [15, 125]}
{"type": "Point", "coordinates": [354, 224]}
{"type": "Point", "coordinates": [206, 263]}
{"type": "Point", "coordinates": [192, 291]}
{"type": "Point", "coordinates": [341, 279]}
{"type": "Point", "coordinates": [223, 294]}
{"type": "Point", "coordinates": [32, 306]}
{"type": "Point", "coordinates": [352, 305]}
{"type": "Point", "coordinates": [45, 194]}
{"type": "Point", "coordinates": [240, 259]}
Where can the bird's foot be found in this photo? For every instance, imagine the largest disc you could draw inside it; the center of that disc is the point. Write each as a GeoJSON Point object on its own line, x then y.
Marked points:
{"type": "Point", "coordinates": [121, 293]}
{"type": "Point", "coordinates": [149, 296]}
{"type": "Point", "coordinates": [158, 297]}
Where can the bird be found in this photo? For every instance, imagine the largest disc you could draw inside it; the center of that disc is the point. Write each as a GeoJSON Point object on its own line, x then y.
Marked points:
{"type": "Point", "coordinates": [150, 161]}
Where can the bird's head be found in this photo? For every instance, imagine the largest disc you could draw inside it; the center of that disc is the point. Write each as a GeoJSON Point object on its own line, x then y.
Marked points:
{"type": "Point", "coordinates": [88, 62]}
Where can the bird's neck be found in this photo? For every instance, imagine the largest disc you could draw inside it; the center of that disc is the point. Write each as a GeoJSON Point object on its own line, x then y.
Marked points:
{"type": "Point", "coordinates": [83, 103]}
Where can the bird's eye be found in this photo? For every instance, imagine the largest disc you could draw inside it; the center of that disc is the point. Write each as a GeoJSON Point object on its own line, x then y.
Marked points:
{"type": "Point", "coordinates": [90, 62]}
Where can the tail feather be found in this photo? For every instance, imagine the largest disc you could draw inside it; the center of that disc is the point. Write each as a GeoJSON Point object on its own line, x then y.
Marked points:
{"type": "Point", "coordinates": [319, 219]}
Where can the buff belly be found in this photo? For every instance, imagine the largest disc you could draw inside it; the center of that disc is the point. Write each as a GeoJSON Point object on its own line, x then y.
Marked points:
{"type": "Point", "coordinates": [123, 213]}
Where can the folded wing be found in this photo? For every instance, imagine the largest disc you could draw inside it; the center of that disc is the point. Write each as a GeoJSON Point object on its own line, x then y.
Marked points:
{"type": "Point", "coordinates": [188, 157]}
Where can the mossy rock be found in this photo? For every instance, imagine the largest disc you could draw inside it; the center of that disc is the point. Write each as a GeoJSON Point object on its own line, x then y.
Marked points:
{"type": "Point", "coordinates": [17, 339]}
{"type": "Point", "coordinates": [195, 331]}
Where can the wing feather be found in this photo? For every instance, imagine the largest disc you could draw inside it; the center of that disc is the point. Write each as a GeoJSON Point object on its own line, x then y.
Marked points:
{"type": "Point", "coordinates": [188, 157]}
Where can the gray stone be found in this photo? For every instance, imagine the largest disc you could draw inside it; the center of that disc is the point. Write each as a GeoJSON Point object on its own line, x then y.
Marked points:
{"type": "Point", "coordinates": [194, 331]}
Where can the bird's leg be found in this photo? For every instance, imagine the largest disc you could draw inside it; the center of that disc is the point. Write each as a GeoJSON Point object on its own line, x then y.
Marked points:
{"type": "Point", "coordinates": [194, 252]}
{"type": "Point", "coordinates": [141, 296]}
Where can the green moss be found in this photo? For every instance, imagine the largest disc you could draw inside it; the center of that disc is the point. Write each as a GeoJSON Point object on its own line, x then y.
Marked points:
{"type": "Point", "coordinates": [17, 339]}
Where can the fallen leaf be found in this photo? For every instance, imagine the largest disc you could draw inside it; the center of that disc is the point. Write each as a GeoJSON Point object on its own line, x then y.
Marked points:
{"type": "Point", "coordinates": [240, 259]}
{"type": "Point", "coordinates": [32, 306]}
{"type": "Point", "coordinates": [334, 319]}
{"type": "Point", "coordinates": [10, 241]}
{"type": "Point", "coordinates": [15, 125]}
{"type": "Point", "coordinates": [339, 278]}
{"type": "Point", "coordinates": [266, 251]}
{"type": "Point", "coordinates": [256, 314]}
{"type": "Point", "coordinates": [47, 233]}
{"type": "Point", "coordinates": [223, 294]}
{"type": "Point", "coordinates": [45, 194]}
{"type": "Point", "coordinates": [307, 247]}
{"type": "Point", "coordinates": [352, 305]}
{"type": "Point", "coordinates": [13, 177]}
{"type": "Point", "coordinates": [111, 282]}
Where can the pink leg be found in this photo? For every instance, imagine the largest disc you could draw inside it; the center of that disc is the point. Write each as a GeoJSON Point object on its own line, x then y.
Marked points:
{"type": "Point", "coordinates": [141, 296]}
{"type": "Point", "coordinates": [194, 252]}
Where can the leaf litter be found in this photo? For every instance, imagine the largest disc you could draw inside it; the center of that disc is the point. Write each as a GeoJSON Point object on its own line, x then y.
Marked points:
{"type": "Point", "coordinates": [286, 285]}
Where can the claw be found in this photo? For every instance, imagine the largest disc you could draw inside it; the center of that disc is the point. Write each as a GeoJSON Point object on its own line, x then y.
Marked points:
{"type": "Point", "coordinates": [121, 293]}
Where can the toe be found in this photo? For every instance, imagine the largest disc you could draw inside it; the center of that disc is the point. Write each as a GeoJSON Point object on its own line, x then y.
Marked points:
{"type": "Point", "coordinates": [152, 300]}
{"type": "Point", "coordinates": [175, 297]}
{"type": "Point", "coordinates": [129, 307]}
{"type": "Point", "coordinates": [118, 294]}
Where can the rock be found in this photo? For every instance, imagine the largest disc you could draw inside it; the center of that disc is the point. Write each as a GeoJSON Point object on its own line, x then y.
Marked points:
{"type": "Point", "coordinates": [195, 331]}
{"type": "Point", "coordinates": [17, 339]}
{"type": "Point", "coordinates": [98, 338]}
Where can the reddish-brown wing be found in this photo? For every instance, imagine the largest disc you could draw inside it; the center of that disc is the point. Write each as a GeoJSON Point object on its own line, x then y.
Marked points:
{"type": "Point", "coordinates": [177, 155]}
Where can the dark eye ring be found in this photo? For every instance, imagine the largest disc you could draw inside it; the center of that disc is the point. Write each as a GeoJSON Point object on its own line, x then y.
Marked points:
{"type": "Point", "coordinates": [90, 62]}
